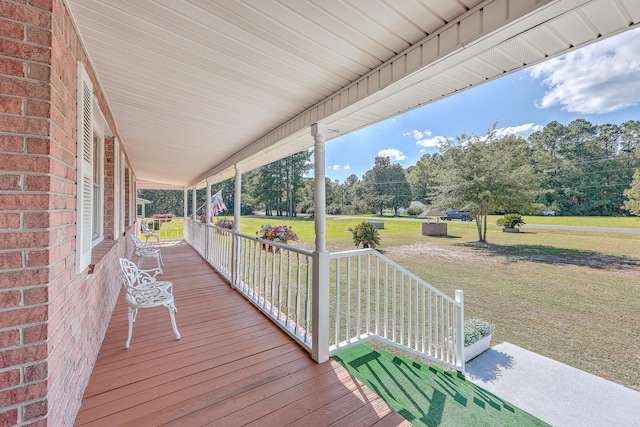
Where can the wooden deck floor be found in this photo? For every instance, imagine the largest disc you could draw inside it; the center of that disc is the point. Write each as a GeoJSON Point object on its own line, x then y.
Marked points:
{"type": "Point", "coordinates": [232, 366]}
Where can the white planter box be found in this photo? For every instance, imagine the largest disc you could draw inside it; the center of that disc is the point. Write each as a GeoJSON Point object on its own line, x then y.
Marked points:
{"type": "Point", "coordinates": [476, 348]}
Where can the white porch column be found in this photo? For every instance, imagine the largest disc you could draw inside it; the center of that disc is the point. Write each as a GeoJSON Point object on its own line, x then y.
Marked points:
{"type": "Point", "coordinates": [208, 203]}
{"type": "Point", "coordinates": [320, 307]}
{"type": "Point", "coordinates": [185, 210]}
{"type": "Point", "coordinates": [237, 190]}
{"type": "Point", "coordinates": [194, 208]}
{"type": "Point", "coordinates": [236, 242]}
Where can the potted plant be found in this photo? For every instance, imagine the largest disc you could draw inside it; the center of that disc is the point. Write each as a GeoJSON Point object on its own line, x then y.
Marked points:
{"type": "Point", "coordinates": [477, 337]}
{"type": "Point", "coordinates": [366, 235]}
{"type": "Point", "coordinates": [225, 223]}
{"type": "Point", "coordinates": [510, 222]}
{"type": "Point", "coordinates": [279, 233]}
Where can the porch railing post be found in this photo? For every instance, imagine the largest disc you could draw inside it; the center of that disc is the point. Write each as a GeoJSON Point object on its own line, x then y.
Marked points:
{"type": "Point", "coordinates": [460, 331]}
{"type": "Point", "coordinates": [236, 242]}
{"type": "Point", "coordinates": [320, 302]}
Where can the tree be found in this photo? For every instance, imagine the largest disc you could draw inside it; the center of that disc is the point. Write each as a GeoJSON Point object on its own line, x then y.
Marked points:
{"type": "Point", "coordinates": [632, 204]}
{"type": "Point", "coordinates": [386, 186]}
{"type": "Point", "coordinates": [419, 178]}
{"type": "Point", "coordinates": [483, 175]}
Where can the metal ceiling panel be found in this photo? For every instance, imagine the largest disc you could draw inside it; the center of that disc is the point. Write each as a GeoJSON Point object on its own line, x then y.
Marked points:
{"type": "Point", "coordinates": [196, 85]}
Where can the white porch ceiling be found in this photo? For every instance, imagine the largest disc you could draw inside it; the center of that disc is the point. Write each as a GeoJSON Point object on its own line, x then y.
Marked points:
{"type": "Point", "coordinates": [198, 85]}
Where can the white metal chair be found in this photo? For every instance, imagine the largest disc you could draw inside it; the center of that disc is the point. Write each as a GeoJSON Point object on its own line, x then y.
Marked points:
{"type": "Point", "coordinates": [142, 290]}
{"type": "Point", "coordinates": [148, 232]}
{"type": "Point", "coordinates": [145, 250]}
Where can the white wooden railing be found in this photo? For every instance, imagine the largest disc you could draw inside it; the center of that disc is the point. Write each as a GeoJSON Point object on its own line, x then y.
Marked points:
{"type": "Point", "coordinates": [275, 277]}
{"type": "Point", "coordinates": [374, 297]}
{"type": "Point", "coordinates": [371, 296]}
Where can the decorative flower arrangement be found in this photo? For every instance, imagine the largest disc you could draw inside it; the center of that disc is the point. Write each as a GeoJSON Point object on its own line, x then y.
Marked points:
{"type": "Point", "coordinates": [281, 233]}
{"type": "Point", "coordinates": [475, 329]}
{"type": "Point", "coordinates": [225, 223]}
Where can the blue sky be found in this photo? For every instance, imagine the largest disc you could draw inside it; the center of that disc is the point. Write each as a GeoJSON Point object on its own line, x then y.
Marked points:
{"type": "Point", "coordinates": [600, 83]}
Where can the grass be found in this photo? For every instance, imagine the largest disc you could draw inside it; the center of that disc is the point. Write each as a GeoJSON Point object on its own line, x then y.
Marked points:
{"type": "Point", "coordinates": [427, 395]}
{"type": "Point", "coordinates": [573, 296]}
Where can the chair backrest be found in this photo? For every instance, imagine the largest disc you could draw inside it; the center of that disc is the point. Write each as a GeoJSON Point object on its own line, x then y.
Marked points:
{"type": "Point", "coordinates": [146, 230]}
{"type": "Point", "coordinates": [135, 281]}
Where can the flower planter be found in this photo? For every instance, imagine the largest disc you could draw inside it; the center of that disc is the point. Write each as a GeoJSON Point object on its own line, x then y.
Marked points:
{"type": "Point", "coordinates": [510, 230]}
{"type": "Point", "coordinates": [477, 348]}
{"type": "Point", "coordinates": [269, 248]}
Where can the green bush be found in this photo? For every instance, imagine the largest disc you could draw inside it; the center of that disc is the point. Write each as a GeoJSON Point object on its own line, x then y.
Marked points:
{"type": "Point", "coordinates": [414, 210]}
{"type": "Point", "coordinates": [510, 220]}
{"type": "Point", "coordinates": [475, 329]}
{"type": "Point", "coordinates": [364, 234]}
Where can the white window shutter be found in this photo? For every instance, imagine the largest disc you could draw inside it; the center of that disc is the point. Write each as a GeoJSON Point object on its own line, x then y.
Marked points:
{"type": "Point", "coordinates": [85, 169]}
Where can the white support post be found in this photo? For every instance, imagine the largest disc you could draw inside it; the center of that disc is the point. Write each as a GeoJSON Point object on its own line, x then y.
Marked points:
{"type": "Point", "coordinates": [194, 208]}
{"type": "Point", "coordinates": [235, 243]}
{"type": "Point", "coordinates": [185, 212]}
{"type": "Point", "coordinates": [320, 310]}
{"type": "Point", "coordinates": [460, 331]}
{"type": "Point", "coordinates": [208, 204]}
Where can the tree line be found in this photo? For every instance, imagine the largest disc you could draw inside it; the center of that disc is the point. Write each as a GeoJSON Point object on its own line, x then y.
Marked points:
{"type": "Point", "coordinates": [575, 169]}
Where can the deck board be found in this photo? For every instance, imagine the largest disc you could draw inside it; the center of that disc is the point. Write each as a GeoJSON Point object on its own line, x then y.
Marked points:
{"type": "Point", "coordinates": [232, 366]}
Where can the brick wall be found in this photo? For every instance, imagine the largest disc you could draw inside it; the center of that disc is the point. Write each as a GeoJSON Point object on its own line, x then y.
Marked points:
{"type": "Point", "coordinates": [52, 321]}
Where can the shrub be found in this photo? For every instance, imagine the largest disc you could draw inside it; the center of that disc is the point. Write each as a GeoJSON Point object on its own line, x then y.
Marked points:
{"type": "Point", "coordinates": [510, 220]}
{"type": "Point", "coordinates": [364, 234]}
{"type": "Point", "coordinates": [414, 210]}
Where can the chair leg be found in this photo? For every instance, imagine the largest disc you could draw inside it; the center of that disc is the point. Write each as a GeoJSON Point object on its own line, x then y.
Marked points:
{"type": "Point", "coordinates": [132, 318]}
{"type": "Point", "coordinates": [172, 310]}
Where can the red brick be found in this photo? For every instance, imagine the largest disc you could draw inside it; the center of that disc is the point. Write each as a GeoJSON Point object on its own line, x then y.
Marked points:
{"type": "Point", "coordinates": [11, 67]}
{"type": "Point", "coordinates": [9, 378]}
{"type": "Point", "coordinates": [10, 260]}
{"type": "Point", "coordinates": [13, 144]}
{"type": "Point", "coordinates": [10, 279]}
{"type": "Point", "coordinates": [9, 221]}
{"type": "Point", "coordinates": [34, 410]}
{"type": "Point", "coordinates": [10, 183]}
{"type": "Point", "coordinates": [10, 105]}
{"type": "Point", "coordinates": [38, 108]}
{"type": "Point", "coordinates": [37, 183]}
{"type": "Point", "coordinates": [38, 146]}
{"type": "Point", "coordinates": [38, 71]}
{"type": "Point", "coordinates": [40, 35]}
{"type": "Point", "coordinates": [23, 316]}
{"type": "Point", "coordinates": [9, 418]}
{"type": "Point", "coordinates": [26, 14]}
{"type": "Point", "coordinates": [35, 334]}
{"type": "Point", "coordinates": [18, 395]}
{"type": "Point", "coordinates": [25, 51]}
{"type": "Point", "coordinates": [9, 339]}
{"type": "Point", "coordinates": [11, 29]}
{"type": "Point", "coordinates": [30, 89]}
{"type": "Point", "coordinates": [33, 296]}
{"type": "Point", "coordinates": [10, 299]}
{"type": "Point", "coordinates": [35, 372]}
{"type": "Point", "coordinates": [26, 239]}
{"type": "Point", "coordinates": [26, 125]}
{"type": "Point", "coordinates": [42, 4]}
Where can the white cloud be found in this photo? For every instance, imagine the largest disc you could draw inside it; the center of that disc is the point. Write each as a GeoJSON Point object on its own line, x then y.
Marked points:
{"type": "Point", "coordinates": [334, 167]}
{"type": "Point", "coordinates": [417, 134]}
{"type": "Point", "coordinates": [347, 167]}
{"type": "Point", "coordinates": [599, 78]}
{"type": "Point", "coordinates": [393, 154]}
{"type": "Point", "coordinates": [431, 142]}
{"type": "Point", "coordinates": [523, 130]}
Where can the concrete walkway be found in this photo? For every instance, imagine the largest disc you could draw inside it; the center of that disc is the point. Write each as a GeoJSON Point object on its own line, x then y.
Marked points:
{"type": "Point", "coordinates": [554, 392]}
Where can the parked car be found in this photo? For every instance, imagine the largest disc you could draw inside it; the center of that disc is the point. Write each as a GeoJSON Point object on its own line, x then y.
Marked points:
{"type": "Point", "coordinates": [456, 214]}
